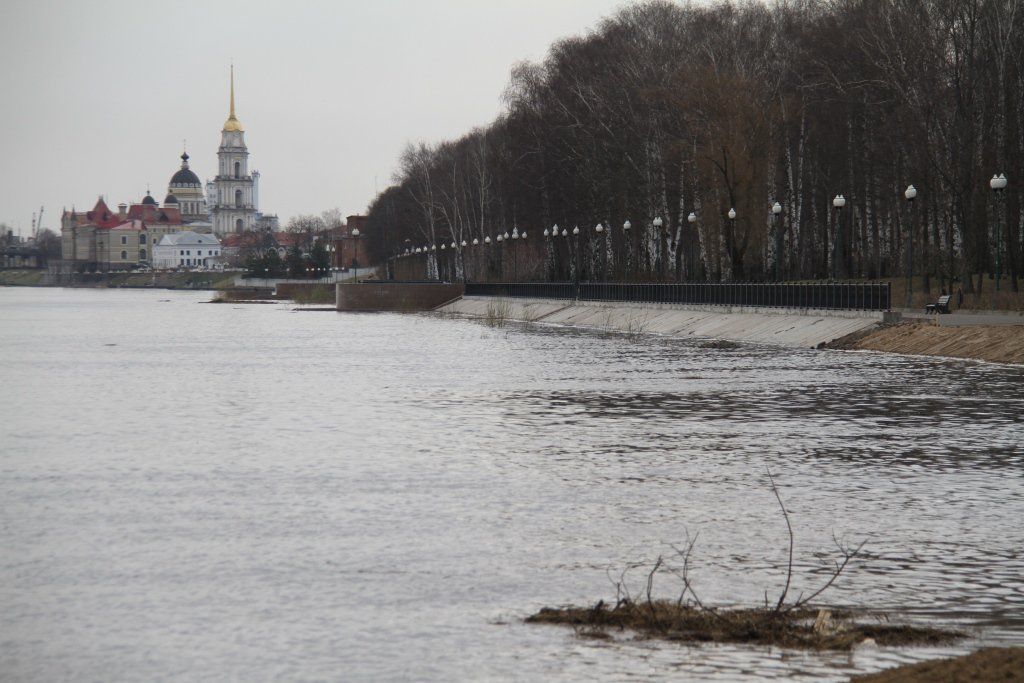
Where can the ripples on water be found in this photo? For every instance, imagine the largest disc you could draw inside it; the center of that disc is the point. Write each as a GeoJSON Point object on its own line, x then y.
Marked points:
{"type": "Point", "coordinates": [251, 492]}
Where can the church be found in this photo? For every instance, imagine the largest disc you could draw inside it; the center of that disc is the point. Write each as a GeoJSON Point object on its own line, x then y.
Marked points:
{"type": "Point", "coordinates": [228, 204]}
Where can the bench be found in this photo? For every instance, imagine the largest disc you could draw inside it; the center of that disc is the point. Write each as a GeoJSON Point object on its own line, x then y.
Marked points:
{"type": "Point", "coordinates": [940, 306]}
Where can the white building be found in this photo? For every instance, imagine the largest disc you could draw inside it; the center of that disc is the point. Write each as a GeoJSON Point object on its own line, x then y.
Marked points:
{"type": "Point", "coordinates": [187, 250]}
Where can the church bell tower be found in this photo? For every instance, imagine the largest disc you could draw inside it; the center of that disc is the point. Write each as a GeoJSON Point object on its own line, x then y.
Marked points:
{"type": "Point", "coordinates": [235, 207]}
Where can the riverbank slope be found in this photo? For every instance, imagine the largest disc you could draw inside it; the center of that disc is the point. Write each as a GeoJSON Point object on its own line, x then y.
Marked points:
{"type": "Point", "coordinates": [998, 344]}
{"type": "Point", "coordinates": [780, 327]}
{"type": "Point", "coordinates": [989, 664]}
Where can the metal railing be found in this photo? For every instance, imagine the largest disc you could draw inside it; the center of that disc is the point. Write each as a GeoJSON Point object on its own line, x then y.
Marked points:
{"type": "Point", "coordinates": [870, 296]}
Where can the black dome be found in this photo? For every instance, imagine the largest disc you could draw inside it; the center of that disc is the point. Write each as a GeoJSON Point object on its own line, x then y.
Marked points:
{"type": "Point", "coordinates": [170, 199]}
{"type": "Point", "coordinates": [185, 177]}
{"type": "Point", "coordinates": [149, 199]}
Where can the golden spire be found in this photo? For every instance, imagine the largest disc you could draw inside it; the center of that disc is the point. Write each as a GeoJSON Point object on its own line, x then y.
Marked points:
{"type": "Point", "coordinates": [232, 123]}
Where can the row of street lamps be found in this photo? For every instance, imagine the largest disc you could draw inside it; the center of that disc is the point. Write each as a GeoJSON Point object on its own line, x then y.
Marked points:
{"type": "Point", "coordinates": [998, 185]}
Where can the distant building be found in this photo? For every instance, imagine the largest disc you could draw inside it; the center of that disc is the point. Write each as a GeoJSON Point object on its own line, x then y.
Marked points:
{"type": "Point", "coordinates": [187, 249]}
{"type": "Point", "coordinates": [101, 239]}
{"type": "Point", "coordinates": [236, 247]}
{"type": "Point", "coordinates": [186, 192]}
{"type": "Point", "coordinates": [227, 204]}
{"type": "Point", "coordinates": [347, 248]}
{"type": "Point", "coordinates": [17, 252]}
{"type": "Point", "coordinates": [267, 222]}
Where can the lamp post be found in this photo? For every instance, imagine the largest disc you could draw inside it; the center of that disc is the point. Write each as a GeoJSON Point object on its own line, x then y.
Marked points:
{"type": "Point", "coordinates": [838, 202]}
{"type": "Point", "coordinates": [551, 265]}
{"type": "Point", "coordinates": [626, 227]}
{"type": "Point", "coordinates": [692, 220]}
{"type": "Point", "coordinates": [576, 249]}
{"type": "Point", "coordinates": [515, 254]}
{"type": "Point", "coordinates": [599, 229]}
{"type": "Point", "coordinates": [489, 261]}
{"type": "Point", "coordinates": [501, 257]}
{"type": "Point", "coordinates": [998, 185]}
{"type": "Point", "coordinates": [911, 194]}
{"type": "Point", "coordinates": [776, 213]}
{"type": "Point", "coordinates": [522, 237]}
{"type": "Point", "coordinates": [476, 243]}
{"type": "Point", "coordinates": [732, 233]}
{"type": "Point", "coordinates": [355, 254]}
{"type": "Point", "coordinates": [662, 255]}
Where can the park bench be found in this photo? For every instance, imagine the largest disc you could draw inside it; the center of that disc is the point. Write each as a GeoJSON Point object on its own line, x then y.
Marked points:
{"type": "Point", "coordinates": [940, 306]}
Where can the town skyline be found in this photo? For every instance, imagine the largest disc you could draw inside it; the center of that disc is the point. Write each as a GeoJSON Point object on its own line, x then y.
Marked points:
{"type": "Point", "coordinates": [325, 122]}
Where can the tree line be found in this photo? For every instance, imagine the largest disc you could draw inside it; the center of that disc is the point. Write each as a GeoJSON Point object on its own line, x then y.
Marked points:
{"type": "Point", "coordinates": [692, 114]}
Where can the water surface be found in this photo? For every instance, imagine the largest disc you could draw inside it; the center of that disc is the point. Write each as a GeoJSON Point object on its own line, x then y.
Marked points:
{"type": "Point", "coordinates": [252, 492]}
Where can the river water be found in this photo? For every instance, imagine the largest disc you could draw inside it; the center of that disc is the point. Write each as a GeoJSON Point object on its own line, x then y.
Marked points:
{"type": "Point", "coordinates": [254, 492]}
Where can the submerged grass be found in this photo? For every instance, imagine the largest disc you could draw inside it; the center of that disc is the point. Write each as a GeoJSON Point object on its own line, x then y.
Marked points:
{"type": "Point", "coordinates": [804, 629]}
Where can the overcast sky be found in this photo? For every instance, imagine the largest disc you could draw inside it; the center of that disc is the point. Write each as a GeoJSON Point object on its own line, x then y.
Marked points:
{"type": "Point", "coordinates": [98, 95]}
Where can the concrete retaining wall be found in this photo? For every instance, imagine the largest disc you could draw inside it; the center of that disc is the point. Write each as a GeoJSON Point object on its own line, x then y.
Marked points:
{"type": "Point", "coordinates": [781, 327]}
{"type": "Point", "coordinates": [385, 296]}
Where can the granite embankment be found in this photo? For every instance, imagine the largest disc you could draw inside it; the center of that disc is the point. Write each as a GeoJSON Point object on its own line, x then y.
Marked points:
{"type": "Point", "coordinates": [781, 327]}
{"type": "Point", "coordinates": [998, 344]}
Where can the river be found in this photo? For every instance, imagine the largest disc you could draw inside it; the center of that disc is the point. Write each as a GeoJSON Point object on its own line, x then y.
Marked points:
{"type": "Point", "coordinates": [255, 492]}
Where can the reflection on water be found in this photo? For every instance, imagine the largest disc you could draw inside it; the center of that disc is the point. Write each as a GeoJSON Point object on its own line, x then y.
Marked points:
{"type": "Point", "coordinates": [251, 492]}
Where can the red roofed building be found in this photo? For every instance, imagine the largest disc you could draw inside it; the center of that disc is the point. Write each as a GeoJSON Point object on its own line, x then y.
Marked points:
{"type": "Point", "coordinates": [101, 239]}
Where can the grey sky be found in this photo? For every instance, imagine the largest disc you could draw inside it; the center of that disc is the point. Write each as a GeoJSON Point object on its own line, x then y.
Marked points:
{"type": "Point", "coordinates": [97, 96]}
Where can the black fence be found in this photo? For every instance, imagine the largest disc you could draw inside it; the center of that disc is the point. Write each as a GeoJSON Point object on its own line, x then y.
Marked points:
{"type": "Point", "coordinates": [874, 296]}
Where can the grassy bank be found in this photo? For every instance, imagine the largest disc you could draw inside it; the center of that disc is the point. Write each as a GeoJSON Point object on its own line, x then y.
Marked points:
{"type": "Point", "coordinates": [38, 278]}
{"type": "Point", "coordinates": [997, 344]}
{"type": "Point", "coordinates": [22, 278]}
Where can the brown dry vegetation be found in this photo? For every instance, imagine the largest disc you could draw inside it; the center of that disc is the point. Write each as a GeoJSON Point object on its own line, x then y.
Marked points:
{"type": "Point", "coordinates": [806, 629]}
{"type": "Point", "coordinates": [998, 344]}
{"type": "Point", "coordinates": [991, 664]}
{"type": "Point", "coordinates": [782, 622]}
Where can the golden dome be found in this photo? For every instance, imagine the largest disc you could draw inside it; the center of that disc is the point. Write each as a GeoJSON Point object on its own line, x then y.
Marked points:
{"type": "Point", "coordinates": [232, 124]}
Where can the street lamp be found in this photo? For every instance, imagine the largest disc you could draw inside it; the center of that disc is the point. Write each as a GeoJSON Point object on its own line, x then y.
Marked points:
{"type": "Point", "coordinates": [998, 185]}
{"type": "Point", "coordinates": [838, 202]}
{"type": "Point", "coordinates": [355, 255]}
{"type": "Point", "coordinates": [576, 239]}
{"type": "Point", "coordinates": [489, 262]}
{"type": "Point", "coordinates": [553, 252]}
{"type": "Point", "coordinates": [692, 220]}
{"type": "Point", "coordinates": [626, 227]}
{"type": "Point", "coordinates": [911, 194]}
{"type": "Point", "coordinates": [662, 255]}
{"type": "Point", "coordinates": [776, 212]}
{"type": "Point", "coordinates": [515, 254]}
{"type": "Point", "coordinates": [599, 229]}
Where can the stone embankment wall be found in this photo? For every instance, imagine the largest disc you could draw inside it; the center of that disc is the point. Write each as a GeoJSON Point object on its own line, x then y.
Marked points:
{"type": "Point", "coordinates": [781, 327]}
{"type": "Point", "coordinates": [394, 296]}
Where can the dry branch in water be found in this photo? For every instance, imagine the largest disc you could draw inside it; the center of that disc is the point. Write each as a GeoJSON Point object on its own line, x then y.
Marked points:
{"type": "Point", "coordinates": [782, 623]}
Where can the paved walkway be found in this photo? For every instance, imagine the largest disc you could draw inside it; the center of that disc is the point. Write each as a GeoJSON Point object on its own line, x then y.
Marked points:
{"type": "Point", "coordinates": [965, 319]}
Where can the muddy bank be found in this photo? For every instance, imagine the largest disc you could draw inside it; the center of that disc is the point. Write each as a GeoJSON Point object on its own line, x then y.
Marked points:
{"type": "Point", "coordinates": [1002, 344]}
{"type": "Point", "coordinates": [796, 628]}
{"type": "Point", "coordinates": [990, 664]}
